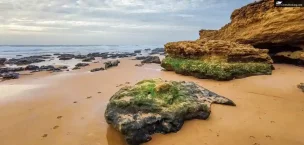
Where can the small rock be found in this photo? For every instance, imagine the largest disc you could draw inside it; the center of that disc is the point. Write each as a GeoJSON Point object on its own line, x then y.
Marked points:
{"type": "Point", "coordinates": [152, 59]}
{"type": "Point", "coordinates": [301, 86]}
{"type": "Point", "coordinates": [10, 75]}
{"type": "Point", "coordinates": [97, 69]}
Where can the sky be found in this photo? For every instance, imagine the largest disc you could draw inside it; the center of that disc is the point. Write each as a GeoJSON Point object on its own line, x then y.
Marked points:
{"type": "Point", "coordinates": [110, 22]}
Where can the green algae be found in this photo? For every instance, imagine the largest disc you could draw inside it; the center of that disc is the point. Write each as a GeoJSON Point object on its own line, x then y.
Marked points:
{"type": "Point", "coordinates": [213, 69]}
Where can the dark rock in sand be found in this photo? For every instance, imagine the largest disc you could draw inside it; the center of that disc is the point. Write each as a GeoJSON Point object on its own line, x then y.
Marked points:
{"type": "Point", "coordinates": [57, 54]}
{"type": "Point", "coordinates": [301, 86]}
{"type": "Point", "coordinates": [32, 67]}
{"type": "Point", "coordinates": [62, 67]}
{"type": "Point", "coordinates": [76, 67]}
{"type": "Point", "coordinates": [88, 59]}
{"type": "Point", "coordinates": [110, 64]}
{"type": "Point", "coordinates": [81, 64]}
{"type": "Point", "coordinates": [10, 75]}
{"type": "Point", "coordinates": [148, 49]}
{"type": "Point", "coordinates": [157, 106]}
{"type": "Point", "coordinates": [11, 69]}
{"type": "Point", "coordinates": [141, 57]}
{"type": "Point", "coordinates": [152, 59]}
{"type": "Point", "coordinates": [2, 61]}
{"type": "Point", "coordinates": [139, 65]}
{"type": "Point", "coordinates": [47, 68]}
{"type": "Point", "coordinates": [97, 69]}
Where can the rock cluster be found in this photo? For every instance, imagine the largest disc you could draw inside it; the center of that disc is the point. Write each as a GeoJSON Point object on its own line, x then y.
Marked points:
{"type": "Point", "coordinates": [27, 60]}
{"type": "Point", "coordinates": [157, 106]}
{"type": "Point", "coordinates": [216, 59]}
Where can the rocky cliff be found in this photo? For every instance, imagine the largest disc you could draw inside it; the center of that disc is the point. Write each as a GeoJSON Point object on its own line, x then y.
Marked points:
{"type": "Point", "coordinates": [263, 26]}
{"type": "Point", "coordinates": [216, 59]}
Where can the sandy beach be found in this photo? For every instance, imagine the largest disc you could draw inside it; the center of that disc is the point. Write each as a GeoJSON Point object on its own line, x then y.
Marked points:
{"type": "Point", "coordinates": [68, 108]}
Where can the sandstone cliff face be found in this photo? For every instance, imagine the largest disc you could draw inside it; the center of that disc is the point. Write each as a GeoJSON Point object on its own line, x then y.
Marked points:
{"type": "Point", "coordinates": [227, 51]}
{"type": "Point", "coordinates": [263, 26]}
{"type": "Point", "coordinates": [216, 59]}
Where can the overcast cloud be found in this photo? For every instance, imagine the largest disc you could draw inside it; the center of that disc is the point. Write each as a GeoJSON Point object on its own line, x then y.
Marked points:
{"type": "Point", "coordinates": [110, 21]}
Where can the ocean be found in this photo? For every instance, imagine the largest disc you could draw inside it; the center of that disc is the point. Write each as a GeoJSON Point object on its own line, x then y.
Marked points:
{"type": "Point", "coordinates": [11, 51]}
{"type": "Point", "coordinates": [19, 51]}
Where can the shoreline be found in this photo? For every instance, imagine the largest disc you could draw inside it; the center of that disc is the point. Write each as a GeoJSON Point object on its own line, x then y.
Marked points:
{"type": "Point", "coordinates": [262, 114]}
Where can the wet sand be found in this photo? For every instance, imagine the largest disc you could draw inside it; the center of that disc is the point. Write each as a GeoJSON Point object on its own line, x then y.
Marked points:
{"type": "Point", "coordinates": [68, 108]}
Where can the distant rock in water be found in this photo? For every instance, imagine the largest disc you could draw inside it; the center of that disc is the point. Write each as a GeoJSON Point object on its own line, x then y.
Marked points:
{"type": "Point", "coordinates": [2, 60]}
{"type": "Point", "coordinates": [216, 59]}
{"type": "Point", "coordinates": [80, 56]}
{"type": "Point", "coordinates": [97, 69]}
{"type": "Point", "coordinates": [62, 67]}
{"type": "Point", "coordinates": [151, 59]}
{"type": "Point", "coordinates": [66, 56]}
{"type": "Point", "coordinates": [110, 64]}
{"type": "Point", "coordinates": [32, 67]}
{"type": "Point", "coordinates": [137, 51]}
{"type": "Point", "coordinates": [157, 51]}
{"type": "Point", "coordinates": [88, 59]}
{"type": "Point", "coordinates": [82, 64]}
{"type": "Point", "coordinates": [27, 60]}
{"type": "Point", "coordinates": [301, 86]}
{"type": "Point", "coordinates": [10, 75]}
{"type": "Point", "coordinates": [157, 106]}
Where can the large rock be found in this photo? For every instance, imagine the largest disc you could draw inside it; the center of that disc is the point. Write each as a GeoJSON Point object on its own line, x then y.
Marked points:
{"type": "Point", "coordinates": [157, 106]}
{"type": "Point", "coordinates": [81, 64]}
{"type": "Point", "coordinates": [216, 59]}
{"type": "Point", "coordinates": [263, 26]}
{"type": "Point", "coordinates": [110, 64]}
{"type": "Point", "coordinates": [2, 60]}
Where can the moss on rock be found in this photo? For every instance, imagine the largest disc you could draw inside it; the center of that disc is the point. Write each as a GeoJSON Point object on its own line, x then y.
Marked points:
{"type": "Point", "coordinates": [157, 106]}
{"type": "Point", "coordinates": [218, 70]}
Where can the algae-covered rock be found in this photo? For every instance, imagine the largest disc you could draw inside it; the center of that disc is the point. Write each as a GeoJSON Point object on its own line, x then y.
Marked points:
{"type": "Point", "coordinates": [301, 86]}
{"type": "Point", "coordinates": [296, 58]}
{"type": "Point", "coordinates": [216, 59]}
{"type": "Point", "coordinates": [157, 106]}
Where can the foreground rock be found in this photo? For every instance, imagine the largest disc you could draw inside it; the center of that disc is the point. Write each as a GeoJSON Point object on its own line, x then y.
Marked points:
{"type": "Point", "coordinates": [32, 67]}
{"type": "Point", "coordinates": [296, 58]}
{"type": "Point", "coordinates": [2, 61]}
{"type": "Point", "coordinates": [157, 106]}
{"type": "Point", "coordinates": [66, 56]}
{"type": "Point", "coordinates": [151, 59]}
{"type": "Point", "coordinates": [216, 59]}
{"type": "Point", "coordinates": [110, 64]}
{"type": "Point", "coordinates": [301, 86]}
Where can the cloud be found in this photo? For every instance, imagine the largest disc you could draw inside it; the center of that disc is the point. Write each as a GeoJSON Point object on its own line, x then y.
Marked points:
{"type": "Point", "coordinates": [101, 17]}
